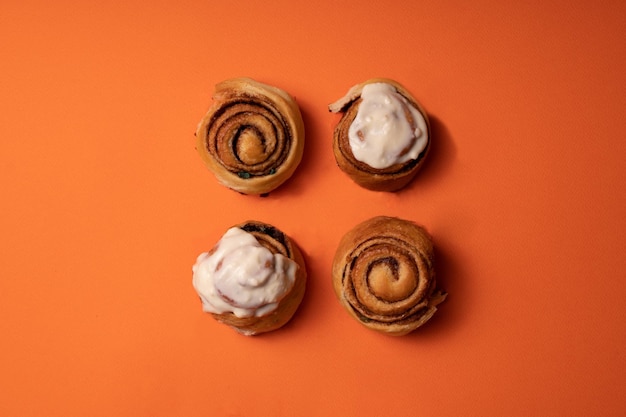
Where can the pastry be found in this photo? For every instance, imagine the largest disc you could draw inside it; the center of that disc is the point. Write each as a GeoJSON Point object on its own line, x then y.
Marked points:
{"type": "Point", "coordinates": [383, 275]}
{"type": "Point", "coordinates": [253, 279]}
{"type": "Point", "coordinates": [252, 136]}
{"type": "Point", "coordinates": [383, 135]}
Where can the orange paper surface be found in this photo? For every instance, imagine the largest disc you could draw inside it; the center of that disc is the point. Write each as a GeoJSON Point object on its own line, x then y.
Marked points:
{"type": "Point", "coordinates": [106, 204]}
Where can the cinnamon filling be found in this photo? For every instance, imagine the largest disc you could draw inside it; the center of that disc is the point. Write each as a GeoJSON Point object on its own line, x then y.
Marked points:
{"type": "Point", "coordinates": [387, 280]}
{"type": "Point", "coordinates": [249, 137]}
{"type": "Point", "coordinates": [269, 237]}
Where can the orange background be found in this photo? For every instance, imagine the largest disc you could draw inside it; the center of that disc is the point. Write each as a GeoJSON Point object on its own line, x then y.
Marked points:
{"type": "Point", "coordinates": [105, 206]}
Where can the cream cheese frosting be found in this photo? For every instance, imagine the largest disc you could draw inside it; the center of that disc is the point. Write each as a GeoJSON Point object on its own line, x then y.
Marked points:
{"type": "Point", "coordinates": [241, 276]}
{"type": "Point", "coordinates": [387, 128]}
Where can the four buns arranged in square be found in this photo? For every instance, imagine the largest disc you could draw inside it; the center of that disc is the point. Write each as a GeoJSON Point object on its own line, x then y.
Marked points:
{"type": "Point", "coordinates": [254, 277]}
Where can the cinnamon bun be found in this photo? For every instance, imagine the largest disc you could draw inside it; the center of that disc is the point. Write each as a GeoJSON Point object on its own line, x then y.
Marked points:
{"type": "Point", "coordinates": [383, 275]}
{"type": "Point", "coordinates": [383, 136]}
{"type": "Point", "coordinates": [252, 136]}
{"type": "Point", "coordinates": [252, 280]}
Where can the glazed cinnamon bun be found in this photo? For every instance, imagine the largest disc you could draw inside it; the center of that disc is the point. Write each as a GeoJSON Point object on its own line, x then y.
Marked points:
{"type": "Point", "coordinates": [383, 136]}
{"type": "Point", "coordinates": [252, 280]}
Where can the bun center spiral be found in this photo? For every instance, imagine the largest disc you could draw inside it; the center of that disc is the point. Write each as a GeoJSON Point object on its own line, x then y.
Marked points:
{"type": "Point", "coordinates": [386, 279]}
{"type": "Point", "coordinates": [250, 138]}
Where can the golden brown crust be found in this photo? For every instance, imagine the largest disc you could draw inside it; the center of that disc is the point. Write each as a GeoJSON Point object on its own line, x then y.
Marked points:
{"type": "Point", "coordinates": [277, 242]}
{"type": "Point", "coordinates": [392, 178]}
{"type": "Point", "coordinates": [383, 275]}
{"type": "Point", "coordinates": [252, 136]}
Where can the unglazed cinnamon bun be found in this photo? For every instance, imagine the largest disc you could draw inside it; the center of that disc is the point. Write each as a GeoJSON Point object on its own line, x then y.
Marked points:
{"type": "Point", "coordinates": [253, 279]}
{"type": "Point", "coordinates": [383, 275]}
{"type": "Point", "coordinates": [252, 136]}
{"type": "Point", "coordinates": [383, 136]}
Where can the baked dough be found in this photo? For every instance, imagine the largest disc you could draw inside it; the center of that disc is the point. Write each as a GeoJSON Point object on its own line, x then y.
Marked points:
{"type": "Point", "coordinates": [252, 136]}
{"type": "Point", "coordinates": [383, 275]}
{"type": "Point", "coordinates": [276, 242]}
{"type": "Point", "coordinates": [389, 178]}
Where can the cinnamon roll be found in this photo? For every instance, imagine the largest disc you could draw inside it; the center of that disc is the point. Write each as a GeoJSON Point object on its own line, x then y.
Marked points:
{"type": "Point", "coordinates": [383, 136]}
{"type": "Point", "coordinates": [252, 136]}
{"type": "Point", "coordinates": [383, 275]}
{"type": "Point", "coordinates": [252, 280]}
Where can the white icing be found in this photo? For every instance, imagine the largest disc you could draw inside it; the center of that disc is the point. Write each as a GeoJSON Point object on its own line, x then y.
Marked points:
{"type": "Point", "coordinates": [242, 277]}
{"type": "Point", "coordinates": [380, 134]}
